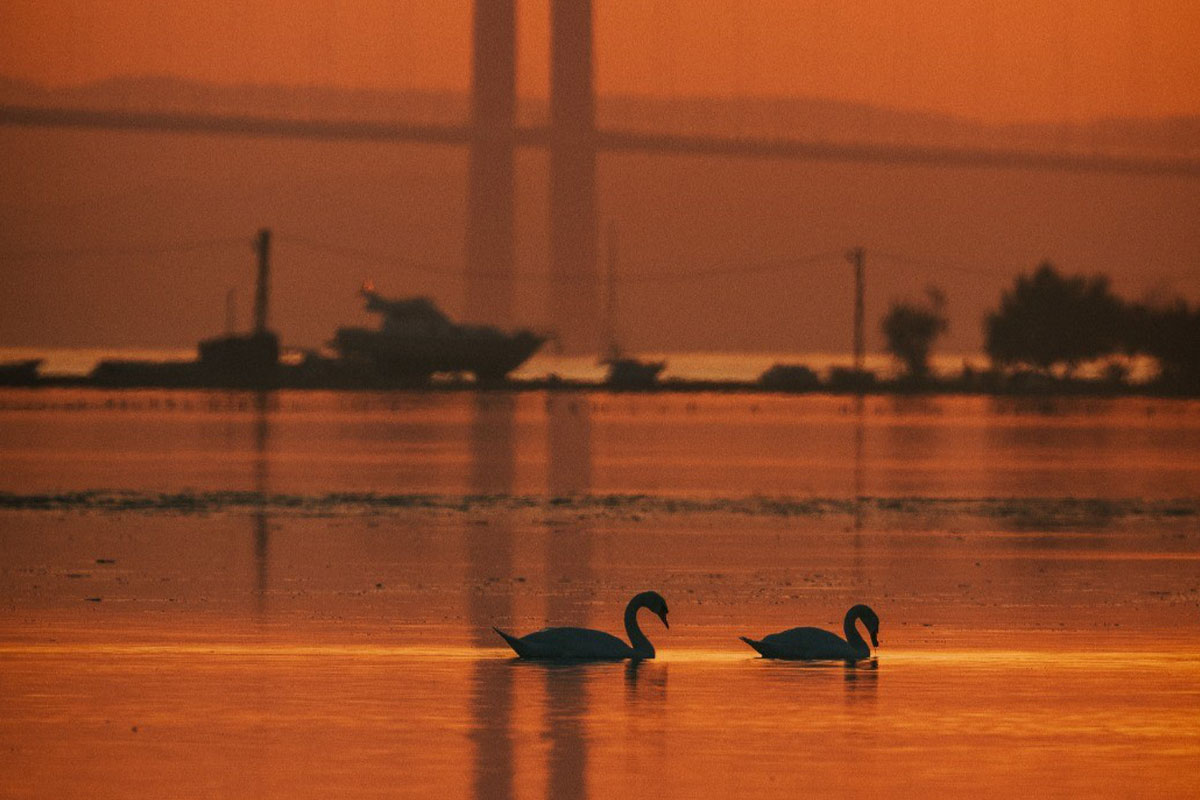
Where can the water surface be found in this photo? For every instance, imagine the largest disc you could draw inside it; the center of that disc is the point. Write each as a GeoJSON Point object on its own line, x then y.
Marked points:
{"type": "Point", "coordinates": [292, 595]}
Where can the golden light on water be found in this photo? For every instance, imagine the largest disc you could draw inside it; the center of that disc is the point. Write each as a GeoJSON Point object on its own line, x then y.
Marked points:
{"type": "Point", "coordinates": [323, 625]}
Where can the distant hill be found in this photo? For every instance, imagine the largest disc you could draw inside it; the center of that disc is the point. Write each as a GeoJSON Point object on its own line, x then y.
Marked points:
{"type": "Point", "coordinates": [120, 238]}
{"type": "Point", "coordinates": [803, 118]}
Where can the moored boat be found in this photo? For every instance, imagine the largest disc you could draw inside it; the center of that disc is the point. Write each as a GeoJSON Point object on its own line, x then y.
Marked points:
{"type": "Point", "coordinates": [416, 339]}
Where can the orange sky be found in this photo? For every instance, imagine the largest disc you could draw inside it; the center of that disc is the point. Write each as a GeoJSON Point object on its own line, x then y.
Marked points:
{"type": "Point", "coordinates": [993, 59]}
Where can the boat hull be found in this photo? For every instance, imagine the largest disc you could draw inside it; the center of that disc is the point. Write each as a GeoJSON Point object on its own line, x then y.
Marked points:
{"type": "Point", "coordinates": [487, 355]}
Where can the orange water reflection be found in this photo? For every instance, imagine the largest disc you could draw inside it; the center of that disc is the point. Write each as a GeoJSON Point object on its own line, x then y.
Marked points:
{"type": "Point", "coordinates": [1030, 647]}
{"type": "Point", "coordinates": [694, 445]}
{"type": "Point", "coordinates": [326, 723]}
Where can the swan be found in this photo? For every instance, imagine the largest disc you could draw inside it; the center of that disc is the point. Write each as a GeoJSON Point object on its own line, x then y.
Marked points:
{"type": "Point", "coordinates": [585, 644]}
{"type": "Point", "coordinates": [815, 644]}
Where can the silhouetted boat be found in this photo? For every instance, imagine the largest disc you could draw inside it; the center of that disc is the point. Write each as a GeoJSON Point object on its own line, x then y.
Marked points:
{"type": "Point", "coordinates": [246, 360]}
{"type": "Point", "coordinates": [789, 378]}
{"type": "Point", "coordinates": [632, 373]}
{"type": "Point", "coordinates": [624, 371]}
{"type": "Point", "coordinates": [19, 373]}
{"type": "Point", "coordinates": [416, 340]}
{"type": "Point", "coordinates": [240, 359]}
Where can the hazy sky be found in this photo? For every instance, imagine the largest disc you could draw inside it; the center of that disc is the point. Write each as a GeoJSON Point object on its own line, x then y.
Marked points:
{"type": "Point", "coordinates": [993, 59]}
{"type": "Point", "coordinates": [101, 193]}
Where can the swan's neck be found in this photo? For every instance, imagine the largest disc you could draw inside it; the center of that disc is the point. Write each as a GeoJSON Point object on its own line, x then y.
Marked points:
{"type": "Point", "coordinates": [637, 639]}
{"type": "Point", "coordinates": [853, 638]}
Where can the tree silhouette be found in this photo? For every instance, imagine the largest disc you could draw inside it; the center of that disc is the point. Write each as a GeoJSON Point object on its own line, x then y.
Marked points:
{"type": "Point", "coordinates": [1048, 319]}
{"type": "Point", "coordinates": [911, 328]}
{"type": "Point", "coordinates": [1170, 333]}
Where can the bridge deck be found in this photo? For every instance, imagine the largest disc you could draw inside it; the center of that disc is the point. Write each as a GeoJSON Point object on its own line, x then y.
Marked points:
{"type": "Point", "coordinates": [606, 140]}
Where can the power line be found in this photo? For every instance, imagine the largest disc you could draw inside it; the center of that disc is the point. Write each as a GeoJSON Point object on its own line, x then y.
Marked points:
{"type": "Point", "coordinates": [456, 272]}
{"type": "Point", "coordinates": [164, 248]}
{"type": "Point", "coordinates": [730, 269]}
{"type": "Point", "coordinates": [1183, 272]}
{"type": "Point", "coordinates": [936, 266]}
{"type": "Point", "coordinates": [443, 270]}
{"type": "Point", "coordinates": [433, 269]}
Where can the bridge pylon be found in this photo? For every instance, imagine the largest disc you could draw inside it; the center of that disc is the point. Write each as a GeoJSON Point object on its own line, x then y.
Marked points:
{"type": "Point", "coordinates": [491, 189]}
{"type": "Point", "coordinates": [575, 289]}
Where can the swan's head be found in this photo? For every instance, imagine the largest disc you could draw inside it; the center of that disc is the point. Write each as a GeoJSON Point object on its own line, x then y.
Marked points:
{"type": "Point", "coordinates": [655, 603]}
{"type": "Point", "coordinates": [870, 619]}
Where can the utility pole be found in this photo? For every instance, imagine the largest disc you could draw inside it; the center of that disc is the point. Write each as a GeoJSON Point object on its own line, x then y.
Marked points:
{"type": "Point", "coordinates": [261, 290]}
{"type": "Point", "coordinates": [857, 257]}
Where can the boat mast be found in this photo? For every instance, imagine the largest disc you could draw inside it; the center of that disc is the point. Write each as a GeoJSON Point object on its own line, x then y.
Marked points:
{"type": "Point", "coordinates": [262, 288]}
{"type": "Point", "coordinates": [856, 257]}
{"type": "Point", "coordinates": [610, 294]}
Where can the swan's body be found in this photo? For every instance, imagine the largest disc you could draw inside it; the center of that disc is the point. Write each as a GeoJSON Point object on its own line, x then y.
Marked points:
{"type": "Point", "coordinates": [814, 644]}
{"type": "Point", "coordinates": [585, 644]}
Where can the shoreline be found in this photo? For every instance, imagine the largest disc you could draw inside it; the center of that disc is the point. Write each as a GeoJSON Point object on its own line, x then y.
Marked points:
{"type": "Point", "coordinates": [985, 385]}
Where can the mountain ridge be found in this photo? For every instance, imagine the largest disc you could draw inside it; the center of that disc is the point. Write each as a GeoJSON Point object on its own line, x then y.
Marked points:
{"type": "Point", "coordinates": [813, 118]}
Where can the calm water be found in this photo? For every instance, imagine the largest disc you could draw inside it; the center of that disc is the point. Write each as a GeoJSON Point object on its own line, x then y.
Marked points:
{"type": "Point", "coordinates": [218, 594]}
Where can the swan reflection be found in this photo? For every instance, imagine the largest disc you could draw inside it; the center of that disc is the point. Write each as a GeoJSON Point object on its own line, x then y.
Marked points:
{"type": "Point", "coordinates": [645, 683]}
{"type": "Point", "coordinates": [861, 680]}
{"type": "Point", "coordinates": [560, 748]}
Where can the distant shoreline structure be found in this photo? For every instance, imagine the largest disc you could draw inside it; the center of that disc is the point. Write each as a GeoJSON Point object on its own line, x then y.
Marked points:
{"type": "Point", "coordinates": [794, 373]}
{"type": "Point", "coordinates": [736, 366]}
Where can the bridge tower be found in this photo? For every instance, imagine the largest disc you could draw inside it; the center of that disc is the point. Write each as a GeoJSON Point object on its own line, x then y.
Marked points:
{"type": "Point", "coordinates": [491, 191]}
{"type": "Point", "coordinates": [574, 294]}
{"type": "Point", "coordinates": [574, 290]}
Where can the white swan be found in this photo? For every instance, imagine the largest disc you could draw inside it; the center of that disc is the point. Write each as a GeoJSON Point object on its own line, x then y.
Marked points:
{"type": "Point", "coordinates": [585, 644]}
{"type": "Point", "coordinates": [812, 644]}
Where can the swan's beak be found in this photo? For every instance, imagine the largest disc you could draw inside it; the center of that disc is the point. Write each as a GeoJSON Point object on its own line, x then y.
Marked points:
{"type": "Point", "coordinates": [874, 639]}
{"type": "Point", "coordinates": [663, 617]}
